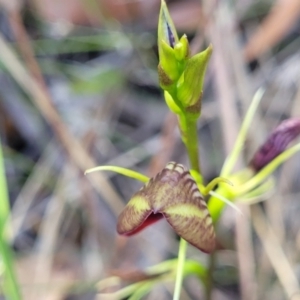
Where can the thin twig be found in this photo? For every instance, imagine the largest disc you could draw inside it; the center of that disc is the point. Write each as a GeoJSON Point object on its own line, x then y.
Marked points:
{"type": "Point", "coordinates": [48, 236]}
{"type": "Point", "coordinates": [39, 175]}
{"type": "Point", "coordinates": [71, 144]}
{"type": "Point", "coordinates": [227, 105]}
{"type": "Point", "coordinates": [278, 259]}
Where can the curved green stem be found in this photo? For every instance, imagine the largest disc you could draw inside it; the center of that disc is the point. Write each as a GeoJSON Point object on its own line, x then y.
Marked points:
{"type": "Point", "coordinates": [211, 185]}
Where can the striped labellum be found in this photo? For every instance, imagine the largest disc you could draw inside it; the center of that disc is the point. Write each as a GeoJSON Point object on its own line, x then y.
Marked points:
{"type": "Point", "coordinates": [172, 194]}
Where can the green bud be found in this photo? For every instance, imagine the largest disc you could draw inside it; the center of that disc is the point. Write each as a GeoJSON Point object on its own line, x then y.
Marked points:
{"type": "Point", "coordinates": [167, 68]}
{"type": "Point", "coordinates": [190, 84]}
{"type": "Point", "coordinates": [182, 49]}
{"type": "Point", "coordinates": [166, 28]}
{"type": "Point", "coordinates": [167, 39]}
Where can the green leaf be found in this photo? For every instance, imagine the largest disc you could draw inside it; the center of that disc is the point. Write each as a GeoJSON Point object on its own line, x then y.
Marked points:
{"type": "Point", "coordinates": [10, 284]}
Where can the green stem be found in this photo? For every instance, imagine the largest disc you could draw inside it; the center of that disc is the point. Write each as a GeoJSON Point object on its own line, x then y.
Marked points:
{"type": "Point", "coordinates": [188, 127]}
{"type": "Point", "coordinates": [209, 281]}
{"type": "Point", "coordinates": [180, 268]}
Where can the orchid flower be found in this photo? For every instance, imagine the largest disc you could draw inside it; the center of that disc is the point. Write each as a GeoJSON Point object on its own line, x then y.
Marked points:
{"type": "Point", "coordinates": [176, 194]}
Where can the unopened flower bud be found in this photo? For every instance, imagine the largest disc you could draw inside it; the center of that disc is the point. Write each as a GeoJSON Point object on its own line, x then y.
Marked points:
{"type": "Point", "coordinates": [182, 49]}
{"type": "Point", "coordinates": [167, 39]}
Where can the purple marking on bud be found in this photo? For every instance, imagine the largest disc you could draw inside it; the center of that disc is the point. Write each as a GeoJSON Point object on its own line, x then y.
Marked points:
{"type": "Point", "coordinates": [169, 33]}
{"type": "Point", "coordinates": [276, 143]}
{"type": "Point", "coordinates": [170, 36]}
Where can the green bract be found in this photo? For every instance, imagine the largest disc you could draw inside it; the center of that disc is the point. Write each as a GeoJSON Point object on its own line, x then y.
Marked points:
{"type": "Point", "coordinates": [190, 84]}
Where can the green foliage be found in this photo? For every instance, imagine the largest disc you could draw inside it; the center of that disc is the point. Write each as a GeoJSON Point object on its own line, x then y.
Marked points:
{"type": "Point", "coordinates": [10, 285]}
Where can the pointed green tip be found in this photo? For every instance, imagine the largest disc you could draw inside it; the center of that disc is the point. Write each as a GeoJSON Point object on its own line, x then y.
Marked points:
{"type": "Point", "coordinates": [209, 48]}
{"type": "Point", "coordinates": [163, 5]}
{"type": "Point", "coordinates": [92, 170]}
{"type": "Point", "coordinates": [206, 54]}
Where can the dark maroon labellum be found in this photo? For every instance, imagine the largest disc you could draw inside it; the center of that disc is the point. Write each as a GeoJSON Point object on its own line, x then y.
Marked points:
{"type": "Point", "coordinates": [173, 195]}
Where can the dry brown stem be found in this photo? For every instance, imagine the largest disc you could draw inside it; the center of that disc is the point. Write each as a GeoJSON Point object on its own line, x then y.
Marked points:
{"type": "Point", "coordinates": [42, 101]}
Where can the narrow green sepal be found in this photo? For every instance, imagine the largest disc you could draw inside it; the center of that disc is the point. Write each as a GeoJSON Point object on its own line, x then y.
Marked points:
{"type": "Point", "coordinates": [261, 193]}
{"type": "Point", "coordinates": [119, 170]}
{"type": "Point", "coordinates": [190, 84]}
{"type": "Point", "coordinates": [262, 175]}
{"type": "Point", "coordinates": [167, 64]}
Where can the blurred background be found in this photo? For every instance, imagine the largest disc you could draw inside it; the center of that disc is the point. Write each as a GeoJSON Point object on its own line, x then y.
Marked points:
{"type": "Point", "coordinates": [79, 88]}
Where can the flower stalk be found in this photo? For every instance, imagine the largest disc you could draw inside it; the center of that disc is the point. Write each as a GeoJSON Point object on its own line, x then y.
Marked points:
{"type": "Point", "coordinates": [180, 268]}
{"type": "Point", "coordinates": [175, 193]}
{"type": "Point", "coordinates": [182, 77]}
